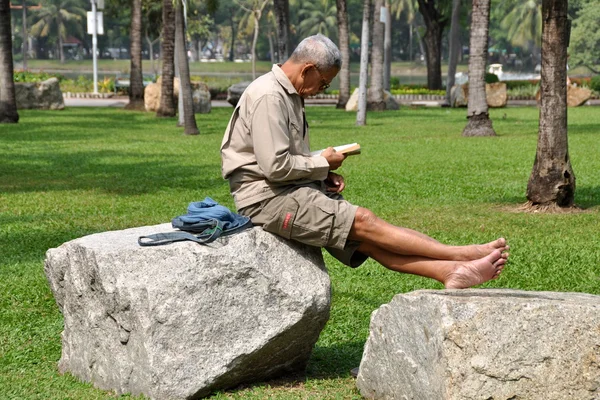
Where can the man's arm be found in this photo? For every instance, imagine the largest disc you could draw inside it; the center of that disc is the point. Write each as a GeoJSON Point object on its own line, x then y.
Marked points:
{"type": "Point", "coordinates": [271, 137]}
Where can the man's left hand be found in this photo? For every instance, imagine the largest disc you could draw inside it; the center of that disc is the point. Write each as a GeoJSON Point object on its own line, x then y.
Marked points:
{"type": "Point", "coordinates": [335, 183]}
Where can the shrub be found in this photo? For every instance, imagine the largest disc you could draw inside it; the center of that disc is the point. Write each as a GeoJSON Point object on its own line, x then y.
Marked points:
{"type": "Point", "coordinates": [491, 78]}
{"type": "Point", "coordinates": [26, 76]}
{"type": "Point", "coordinates": [595, 83]}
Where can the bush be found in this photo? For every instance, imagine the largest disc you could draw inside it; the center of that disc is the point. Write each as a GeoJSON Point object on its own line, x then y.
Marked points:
{"type": "Point", "coordinates": [491, 78]}
{"type": "Point", "coordinates": [595, 83]}
{"type": "Point", "coordinates": [36, 77]}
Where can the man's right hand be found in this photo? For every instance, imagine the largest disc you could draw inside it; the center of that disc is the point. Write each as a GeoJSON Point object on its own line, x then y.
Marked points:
{"type": "Point", "coordinates": [334, 158]}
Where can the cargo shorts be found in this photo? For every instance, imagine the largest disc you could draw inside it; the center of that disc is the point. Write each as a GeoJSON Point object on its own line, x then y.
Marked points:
{"type": "Point", "coordinates": [311, 216]}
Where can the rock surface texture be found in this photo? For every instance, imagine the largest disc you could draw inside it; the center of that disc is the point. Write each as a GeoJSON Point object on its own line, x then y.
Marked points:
{"type": "Point", "coordinates": [200, 96]}
{"type": "Point", "coordinates": [181, 320]}
{"type": "Point", "coordinates": [235, 91]}
{"type": "Point", "coordinates": [39, 96]}
{"type": "Point", "coordinates": [483, 344]}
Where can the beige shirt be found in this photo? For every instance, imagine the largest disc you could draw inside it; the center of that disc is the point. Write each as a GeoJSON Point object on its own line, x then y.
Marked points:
{"type": "Point", "coordinates": [265, 149]}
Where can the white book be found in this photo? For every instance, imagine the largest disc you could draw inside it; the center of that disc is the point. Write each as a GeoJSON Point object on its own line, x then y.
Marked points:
{"type": "Point", "coordinates": [348, 149]}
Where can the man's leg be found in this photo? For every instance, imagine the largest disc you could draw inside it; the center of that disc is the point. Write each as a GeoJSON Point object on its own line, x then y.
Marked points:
{"type": "Point", "coordinates": [453, 274]}
{"type": "Point", "coordinates": [370, 229]}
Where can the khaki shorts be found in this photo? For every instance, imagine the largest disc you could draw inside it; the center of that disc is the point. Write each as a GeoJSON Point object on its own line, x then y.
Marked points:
{"type": "Point", "coordinates": [310, 216]}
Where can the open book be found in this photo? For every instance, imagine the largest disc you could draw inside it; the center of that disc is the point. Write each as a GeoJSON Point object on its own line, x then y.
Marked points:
{"type": "Point", "coordinates": [348, 149]}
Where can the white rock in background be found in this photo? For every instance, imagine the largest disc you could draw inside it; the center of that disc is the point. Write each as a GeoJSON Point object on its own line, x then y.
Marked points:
{"type": "Point", "coordinates": [181, 320]}
{"type": "Point", "coordinates": [483, 344]}
{"type": "Point", "coordinates": [39, 96]}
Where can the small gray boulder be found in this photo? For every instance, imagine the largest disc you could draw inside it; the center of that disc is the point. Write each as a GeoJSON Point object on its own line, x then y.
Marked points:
{"type": "Point", "coordinates": [483, 344]}
{"type": "Point", "coordinates": [39, 96]}
{"type": "Point", "coordinates": [182, 320]}
{"type": "Point", "coordinates": [234, 92]}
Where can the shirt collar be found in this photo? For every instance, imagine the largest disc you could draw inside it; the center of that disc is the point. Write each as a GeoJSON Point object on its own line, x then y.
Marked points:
{"type": "Point", "coordinates": [283, 79]}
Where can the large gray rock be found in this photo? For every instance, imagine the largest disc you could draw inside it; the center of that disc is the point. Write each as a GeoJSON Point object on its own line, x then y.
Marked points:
{"type": "Point", "coordinates": [181, 320]}
{"type": "Point", "coordinates": [39, 96]}
{"type": "Point", "coordinates": [234, 92]}
{"type": "Point", "coordinates": [483, 344]}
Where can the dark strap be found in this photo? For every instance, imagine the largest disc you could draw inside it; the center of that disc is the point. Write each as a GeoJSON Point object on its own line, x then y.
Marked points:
{"type": "Point", "coordinates": [159, 239]}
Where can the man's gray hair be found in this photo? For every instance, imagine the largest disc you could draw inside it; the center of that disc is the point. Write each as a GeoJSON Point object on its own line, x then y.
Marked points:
{"type": "Point", "coordinates": [319, 50]}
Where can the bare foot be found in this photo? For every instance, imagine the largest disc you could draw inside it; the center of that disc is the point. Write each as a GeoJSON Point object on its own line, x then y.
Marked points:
{"type": "Point", "coordinates": [465, 275]}
{"type": "Point", "coordinates": [477, 251]}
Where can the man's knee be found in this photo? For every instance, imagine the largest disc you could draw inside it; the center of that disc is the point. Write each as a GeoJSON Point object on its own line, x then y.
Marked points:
{"type": "Point", "coordinates": [364, 220]}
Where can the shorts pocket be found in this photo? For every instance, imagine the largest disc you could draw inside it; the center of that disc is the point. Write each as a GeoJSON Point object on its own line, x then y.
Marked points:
{"type": "Point", "coordinates": [283, 221]}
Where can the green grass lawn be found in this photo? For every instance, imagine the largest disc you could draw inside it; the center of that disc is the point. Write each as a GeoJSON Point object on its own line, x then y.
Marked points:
{"type": "Point", "coordinates": [72, 173]}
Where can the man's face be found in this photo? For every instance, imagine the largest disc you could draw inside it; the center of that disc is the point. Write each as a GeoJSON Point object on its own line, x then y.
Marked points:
{"type": "Point", "coordinates": [315, 81]}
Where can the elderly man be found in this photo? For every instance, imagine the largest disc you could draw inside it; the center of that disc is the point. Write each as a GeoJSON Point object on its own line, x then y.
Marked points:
{"type": "Point", "coordinates": [277, 183]}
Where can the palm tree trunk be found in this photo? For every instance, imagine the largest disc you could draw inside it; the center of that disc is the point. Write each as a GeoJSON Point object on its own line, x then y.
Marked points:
{"type": "Point", "coordinates": [479, 123]}
{"type": "Point", "coordinates": [375, 95]}
{"type": "Point", "coordinates": [167, 103]}
{"type": "Point", "coordinates": [361, 115]}
{"type": "Point", "coordinates": [233, 24]}
{"type": "Point", "coordinates": [387, 48]}
{"type": "Point", "coordinates": [342, 18]}
{"type": "Point", "coordinates": [454, 47]}
{"type": "Point", "coordinates": [282, 15]}
{"type": "Point", "coordinates": [24, 3]}
{"type": "Point", "coordinates": [256, 16]}
{"type": "Point", "coordinates": [136, 85]}
{"type": "Point", "coordinates": [552, 181]}
{"type": "Point", "coordinates": [185, 84]}
{"type": "Point", "coordinates": [435, 23]}
{"type": "Point", "coordinates": [8, 101]}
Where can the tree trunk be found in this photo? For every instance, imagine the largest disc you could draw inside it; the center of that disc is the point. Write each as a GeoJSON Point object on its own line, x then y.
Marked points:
{"type": "Point", "coordinates": [552, 181]}
{"type": "Point", "coordinates": [454, 48]}
{"type": "Point", "coordinates": [185, 84]}
{"type": "Point", "coordinates": [361, 115]}
{"type": "Point", "coordinates": [479, 123]}
{"type": "Point", "coordinates": [167, 103]}
{"type": "Point", "coordinates": [282, 15]}
{"type": "Point", "coordinates": [387, 48]}
{"type": "Point", "coordinates": [342, 18]}
{"type": "Point", "coordinates": [232, 50]}
{"type": "Point", "coordinates": [136, 80]}
{"type": "Point", "coordinates": [435, 23]}
{"type": "Point", "coordinates": [61, 52]}
{"type": "Point", "coordinates": [271, 47]}
{"type": "Point", "coordinates": [256, 15]}
{"type": "Point", "coordinates": [375, 95]}
{"type": "Point", "coordinates": [24, 35]}
{"type": "Point", "coordinates": [8, 101]}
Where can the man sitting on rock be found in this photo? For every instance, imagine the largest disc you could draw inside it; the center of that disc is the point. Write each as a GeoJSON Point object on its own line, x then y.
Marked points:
{"type": "Point", "coordinates": [277, 183]}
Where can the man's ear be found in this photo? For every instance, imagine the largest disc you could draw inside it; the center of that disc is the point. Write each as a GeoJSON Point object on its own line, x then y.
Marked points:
{"type": "Point", "coordinates": [305, 68]}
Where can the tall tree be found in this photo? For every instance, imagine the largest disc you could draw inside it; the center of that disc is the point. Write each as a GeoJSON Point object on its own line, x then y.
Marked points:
{"type": "Point", "coordinates": [282, 16]}
{"type": "Point", "coordinates": [387, 47]}
{"type": "Point", "coordinates": [552, 181]}
{"type": "Point", "coordinates": [136, 80]}
{"type": "Point", "coordinates": [167, 103]}
{"type": "Point", "coordinates": [375, 95]}
{"type": "Point", "coordinates": [479, 123]}
{"type": "Point", "coordinates": [361, 115]}
{"type": "Point", "coordinates": [185, 84]}
{"type": "Point", "coordinates": [344, 42]}
{"type": "Point", "coordinates": [319, 16]}
{"type": "Point", "coordinates": [435, 22]}
{"type": "Point", "coordinates": [254, 10]}
{"type": "Point", "coordinates": [8, 101]}
{"type": "Point", "coordinates": [57, 17]}
{"type": "Point", "coordinates": [454, 40]}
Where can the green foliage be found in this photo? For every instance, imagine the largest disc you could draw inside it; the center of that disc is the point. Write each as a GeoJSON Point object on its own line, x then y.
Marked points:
{"type": "Point", "coordinates": [491, 78]}
{"type": "Point", "coordinates": [595, 83]}
{"type": "Point", "coordinates": [27, 76]}
{"type": "Point", "coordinates": [80, 171]}
{"type": "Point", "coordinates": [584, 48]}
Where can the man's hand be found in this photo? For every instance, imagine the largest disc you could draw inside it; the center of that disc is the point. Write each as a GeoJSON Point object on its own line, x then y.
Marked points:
{"type": "Point", "coordinates": [335, 183]}
{"type": "Point", "coordinates": [334, 158]}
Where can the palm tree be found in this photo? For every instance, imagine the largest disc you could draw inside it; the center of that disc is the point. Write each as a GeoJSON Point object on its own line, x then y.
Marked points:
{"type": "Point", "coordinates": [523, 23]}
{"type": "Point", "coordinates": [136, 88]}
{"type": "Point", "coordinates": [454, 47]}
{"type": "Point", "coordinates": [167, 104]}
{"type": "Point", "coordinates": [57, 17]}
{"type": "Point", "coordinates": [185, 84]}
{"type": "Point", "coordinates": [479, 123]}
{"type": "Point", "coordinates": [552, 181]}
{"type": "Point", "coordinates": [281, 9]}
{"type": "Point", "coordinates": [375, 96]}
{"type": "Point", "coordinates": [319, 16]}
{"type": "Point", "coordinates": [344, 38]}
{"type": "Point", "coordinates": [8, 101]}
{"type": "Point", "coordinates": [361, 115]}
{"type": "Point", "coordinates": [251, 20]}
{"type": "Point", "coordinates": [435, 21]}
